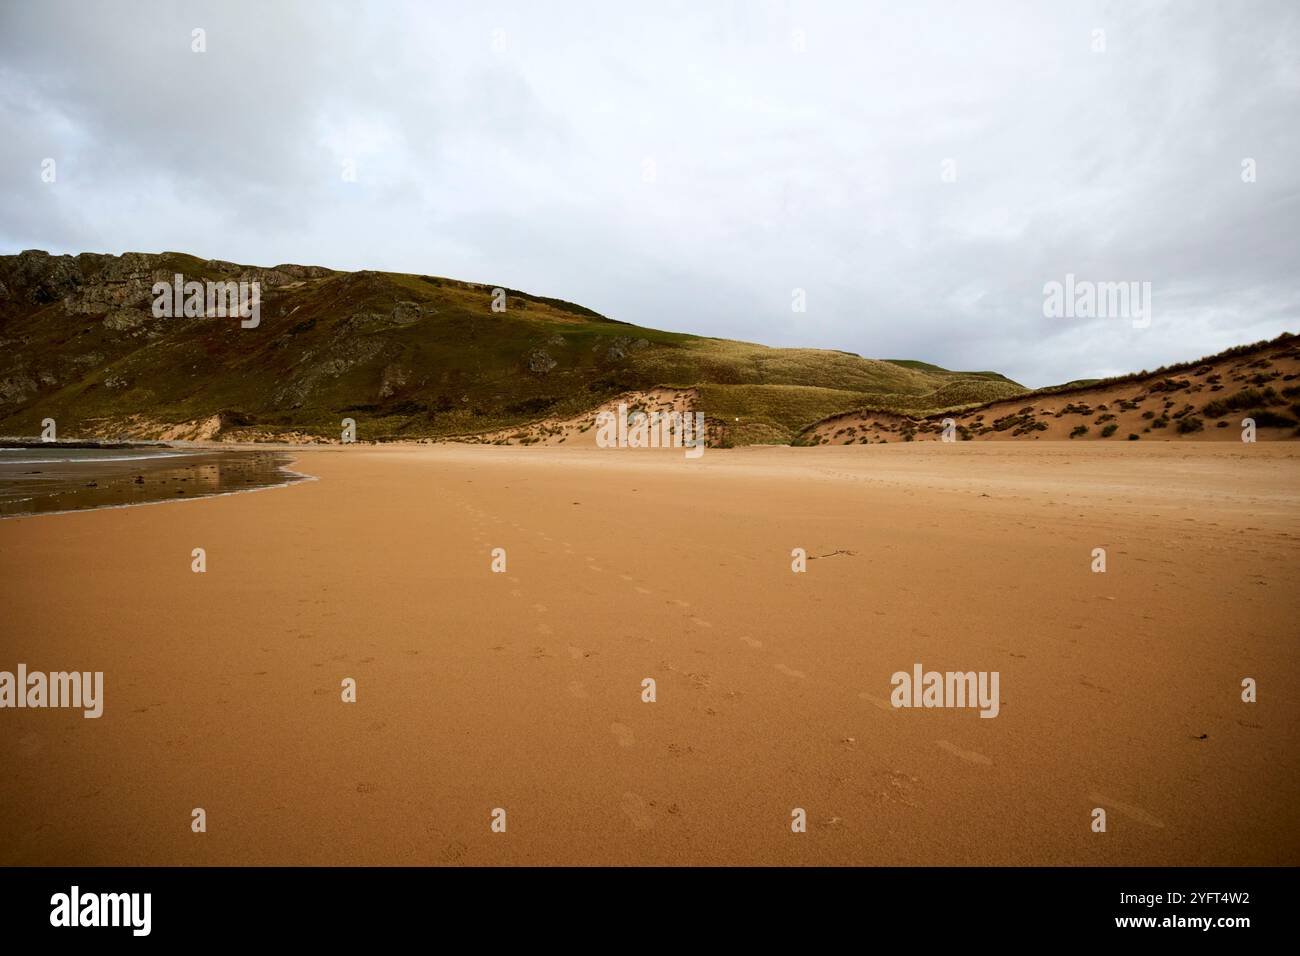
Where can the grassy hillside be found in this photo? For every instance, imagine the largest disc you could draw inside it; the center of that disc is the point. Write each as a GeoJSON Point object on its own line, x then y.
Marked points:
{"type": "Point", "coordinates": [405, 356]}
{"type": "Point", "coordinates": [1208, 399]}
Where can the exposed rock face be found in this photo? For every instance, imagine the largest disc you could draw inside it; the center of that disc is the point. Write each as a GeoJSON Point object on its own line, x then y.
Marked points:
{"type": "Point", "coordinates": [122, 320]}
{"type": "Point", "coordinates": [283, 275]}
{"type": "Point", "coordinates": [621, 345]}
{"type": "Point", "coordinates": [93, 283]}
{"type": "Point", "coordinates": [16, 388]}
{"type": "Point", "coordinates": [315, 370]}
{"type": "Point", "coordinates": [392, 379]}
{"type": "Point", "coordinates": [402, 314]}
{"type": "Point", "coordinates": [63, 319]}
{"type": "Point", "coordinates": [269, 278]}
{"type": "Point", "coordinates": [540, 362]}
{"type": "Point", "coordinates": [407, 313]}
{"type": "Point", "coordinates": [107, 282]}
{"type": "Point", "coordinates": [44, 278]}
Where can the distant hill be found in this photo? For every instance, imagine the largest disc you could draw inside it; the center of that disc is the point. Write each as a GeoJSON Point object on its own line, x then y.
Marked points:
{"type": "Point", "coordinates": [405, 356]}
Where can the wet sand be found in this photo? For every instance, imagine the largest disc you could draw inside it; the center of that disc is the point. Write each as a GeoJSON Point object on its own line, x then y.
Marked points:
{"type": "Point", "coordinates": [47, 479]}
{"type": "Point", "coordinates": [522, 690]}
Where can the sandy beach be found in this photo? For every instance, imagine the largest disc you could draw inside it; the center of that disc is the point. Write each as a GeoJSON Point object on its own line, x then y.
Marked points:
{"type": "Point", "coordinates": [522, 690]}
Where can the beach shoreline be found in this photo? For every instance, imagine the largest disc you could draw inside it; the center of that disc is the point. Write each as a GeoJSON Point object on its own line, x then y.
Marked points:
{"type": "Point", "coordinates": [58, 478]}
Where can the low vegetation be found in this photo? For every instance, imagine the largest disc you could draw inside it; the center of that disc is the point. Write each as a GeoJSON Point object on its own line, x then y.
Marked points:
{"type": "Point", "coordinates": [404, 356]}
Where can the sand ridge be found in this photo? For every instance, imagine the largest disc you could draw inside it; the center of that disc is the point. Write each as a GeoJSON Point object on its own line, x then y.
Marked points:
{"type": "Point", "coordinates": [1204, 401]}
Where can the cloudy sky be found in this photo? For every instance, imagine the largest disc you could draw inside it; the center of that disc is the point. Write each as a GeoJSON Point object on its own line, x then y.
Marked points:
{"type": "Point", "coordinates": [920, 170]}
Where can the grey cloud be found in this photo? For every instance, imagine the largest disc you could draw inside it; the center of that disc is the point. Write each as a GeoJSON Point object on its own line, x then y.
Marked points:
{"type": "Point", "coordinates": [774, 169]}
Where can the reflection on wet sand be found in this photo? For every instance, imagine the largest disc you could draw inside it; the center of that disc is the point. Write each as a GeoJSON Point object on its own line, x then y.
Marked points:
{"type": "Point", "coordinates": [45, 480]}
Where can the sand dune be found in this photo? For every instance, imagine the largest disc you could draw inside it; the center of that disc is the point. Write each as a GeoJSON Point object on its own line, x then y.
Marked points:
{"type": "Point", "coordinates": [523, 690]}
{"type": "Point", "coordinates": [1206, 400]}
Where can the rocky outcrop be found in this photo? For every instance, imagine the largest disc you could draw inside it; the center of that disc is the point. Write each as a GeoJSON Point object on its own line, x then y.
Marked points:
{"type": "Point", "coordinates": [124, 320]}
{"type": "Point", "coordinates": [97, 284]}
{"type": "Point", "coordinates": [540, 361]}
{"type": "Point", "coordinates": [16, 388]}
{"type": "Point", "coordinates": [620, 346]}
{"type": "Point", "coordinates": [392, 379]}
{"type": "Point", "coordinates": [40, 278]}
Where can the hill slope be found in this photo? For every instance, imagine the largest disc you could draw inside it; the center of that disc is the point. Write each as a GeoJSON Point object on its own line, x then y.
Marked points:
{"type": "Point", "coordinates": [405, 356]}
{"type": "Point", "coordinates": [1203, 400]}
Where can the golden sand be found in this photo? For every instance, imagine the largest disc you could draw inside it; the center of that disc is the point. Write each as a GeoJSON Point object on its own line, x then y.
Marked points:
{"type": "Point", "coordinates": [523, 690]}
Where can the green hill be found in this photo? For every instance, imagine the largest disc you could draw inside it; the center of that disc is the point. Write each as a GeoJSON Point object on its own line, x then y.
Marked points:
{"type": "Point", "coordinates": [405, 356]}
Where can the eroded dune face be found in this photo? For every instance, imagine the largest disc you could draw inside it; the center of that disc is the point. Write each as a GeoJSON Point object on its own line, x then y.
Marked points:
{"type": "Point", "coordinates": [1200, 402]}
{"type": "Point", "coordinates": [581, 432]}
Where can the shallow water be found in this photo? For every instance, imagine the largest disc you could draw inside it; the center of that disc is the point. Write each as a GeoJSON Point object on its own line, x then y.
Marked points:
{"type": "Point", "coordinates": [49, 478]}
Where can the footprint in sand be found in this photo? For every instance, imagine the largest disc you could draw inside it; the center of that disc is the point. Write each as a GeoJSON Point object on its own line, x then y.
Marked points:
{"type": "Point", "coordinates": [898, 788]}
{"type": "Point", "coordinates": [453, 852]}
{"type": "Point", "coordinates": [1126, 810]}
{"type": "Point", "coordinates": [790, 671]}
{"type": "Point", "coordinates": [623, 734]}
{"type": "Point", "coordinates": [877, 702]}
{"type": "Point", "coordinates": [578, 690]}
{"type": "Point", "coordinates": [751, 642]}
{"type": "Point", "coordinates": [969, 756]}
{"type": "Point", "coordinates": [634, 806]}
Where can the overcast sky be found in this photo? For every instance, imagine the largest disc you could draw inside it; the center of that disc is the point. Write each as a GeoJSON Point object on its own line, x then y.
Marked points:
{"type": "Point", "coordinates": [687, 166]}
